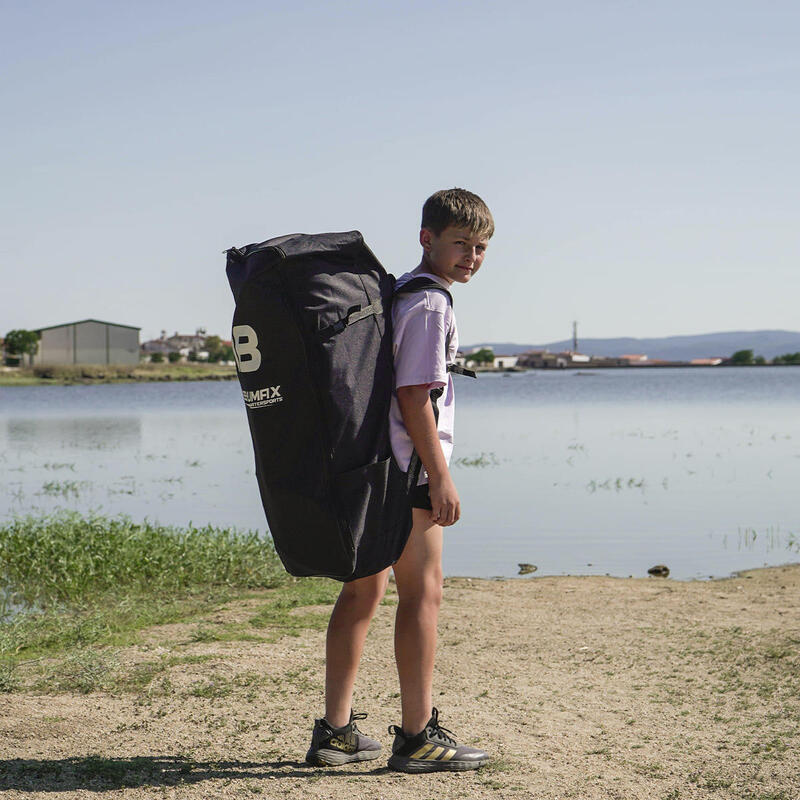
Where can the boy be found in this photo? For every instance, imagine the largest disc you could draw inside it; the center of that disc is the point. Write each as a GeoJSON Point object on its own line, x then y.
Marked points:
{"type": "Point", "coordinates": [455, 232]}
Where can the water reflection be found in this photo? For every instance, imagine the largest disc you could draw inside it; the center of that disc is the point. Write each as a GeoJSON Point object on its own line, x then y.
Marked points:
{"type": "Point", "coordinates": [78, 433]}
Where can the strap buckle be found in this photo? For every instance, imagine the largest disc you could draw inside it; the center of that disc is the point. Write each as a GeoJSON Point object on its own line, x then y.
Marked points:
{"type": "Point", "coordinates": [459, 370]}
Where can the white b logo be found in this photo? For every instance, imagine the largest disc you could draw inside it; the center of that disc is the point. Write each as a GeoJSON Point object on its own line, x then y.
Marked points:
{"type": "Point", "coordinates": [245, 348]}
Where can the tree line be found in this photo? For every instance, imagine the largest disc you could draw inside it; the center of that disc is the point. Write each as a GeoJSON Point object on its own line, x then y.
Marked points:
{"type": "Point", "coordinates": [20, 343]}
{"type": "Point", "coordinates": [746, 358]}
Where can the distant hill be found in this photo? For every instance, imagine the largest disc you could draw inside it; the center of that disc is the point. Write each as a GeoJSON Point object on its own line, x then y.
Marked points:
{"type": "Point", "coordinates": [673, 348]}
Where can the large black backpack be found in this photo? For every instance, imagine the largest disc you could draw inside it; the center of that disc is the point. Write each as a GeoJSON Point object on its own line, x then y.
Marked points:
{"type": "Point", "coordinates": [313, 346]}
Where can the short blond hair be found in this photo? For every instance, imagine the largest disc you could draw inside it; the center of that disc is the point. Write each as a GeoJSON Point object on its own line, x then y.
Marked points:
{"type": "Point", "coordinates": [459, 208]}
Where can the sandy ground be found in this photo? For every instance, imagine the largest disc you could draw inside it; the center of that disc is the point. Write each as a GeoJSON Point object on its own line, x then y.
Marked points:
{"type": "Point", "coordinates": [579, 687]}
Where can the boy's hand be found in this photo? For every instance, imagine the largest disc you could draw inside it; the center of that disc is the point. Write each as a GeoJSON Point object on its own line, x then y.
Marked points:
{"type": "Point", "coordinates": [415, 406]}
{"type": "Point", "coordinates": [445, 505]}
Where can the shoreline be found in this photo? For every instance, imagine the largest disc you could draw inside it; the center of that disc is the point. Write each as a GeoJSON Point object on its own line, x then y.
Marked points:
{"type": "Point", "coordinates": [80, 375]}
{"type": "Point", "coordinates": [536, 575]}
{"type": "Point", "coordinates": [589, 687]}
{"type": "Point", "coordinates": [579, 367]}
{"type": "Point", "coordinates": [90, 374]}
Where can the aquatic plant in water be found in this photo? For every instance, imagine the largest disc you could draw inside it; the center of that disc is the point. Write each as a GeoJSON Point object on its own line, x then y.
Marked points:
{"type": "Point", "coordinates": [64, 488]}
{"type": "Point", "coordinates": [482, 460]}
{"type": "Point", "coordinates": [772, 539]}
{"type": "Point", "coordinates": [617, 484]}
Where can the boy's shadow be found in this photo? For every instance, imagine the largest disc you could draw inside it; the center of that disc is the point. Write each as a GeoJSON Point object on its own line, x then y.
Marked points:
{"type": "Point", "coordinates": [95, 773]}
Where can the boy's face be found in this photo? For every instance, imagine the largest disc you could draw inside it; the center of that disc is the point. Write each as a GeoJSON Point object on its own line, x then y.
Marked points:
{"type": "Point", "coordinates": [455, 254]}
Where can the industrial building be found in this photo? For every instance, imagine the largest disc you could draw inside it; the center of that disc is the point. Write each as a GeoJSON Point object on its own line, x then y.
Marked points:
{"type": "Point", "coordinates": [89, 341]}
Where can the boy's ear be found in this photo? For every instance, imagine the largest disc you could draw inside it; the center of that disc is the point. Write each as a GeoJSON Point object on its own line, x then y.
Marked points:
{"type": "Point", "coordinates": [425, 237]}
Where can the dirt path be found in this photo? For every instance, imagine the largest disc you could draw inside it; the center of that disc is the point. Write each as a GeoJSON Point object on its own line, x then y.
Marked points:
{"type": "Point", "coordinates": [580, 687]}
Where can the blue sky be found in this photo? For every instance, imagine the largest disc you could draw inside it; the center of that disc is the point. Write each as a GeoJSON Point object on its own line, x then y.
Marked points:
{"type": "Point", "coordinates": [640, 159]}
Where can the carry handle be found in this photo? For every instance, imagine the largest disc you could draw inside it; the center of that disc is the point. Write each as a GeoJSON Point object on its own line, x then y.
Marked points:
{"type": "Point", "coordinates": [354, 314]}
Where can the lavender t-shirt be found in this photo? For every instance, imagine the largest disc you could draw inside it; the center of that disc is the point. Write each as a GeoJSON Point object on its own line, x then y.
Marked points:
{"type": "Point", "coordinates": [425, 340]}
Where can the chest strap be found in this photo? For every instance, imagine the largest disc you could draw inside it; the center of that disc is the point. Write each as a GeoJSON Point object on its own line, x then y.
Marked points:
{"type": "Point", "coordinates": [457, 369]}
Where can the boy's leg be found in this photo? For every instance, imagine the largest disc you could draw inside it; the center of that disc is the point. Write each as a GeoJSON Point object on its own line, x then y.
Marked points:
{"type": "Point", "coordinates": [347, 631]}
{"type": "Point", "coordinates": [421, 744]}
{"type": "Point", "coordinates": [418, 573]}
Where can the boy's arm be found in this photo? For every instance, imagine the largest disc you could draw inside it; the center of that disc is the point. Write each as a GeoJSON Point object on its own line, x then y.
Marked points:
{"type": "Point", "coordinates": [417, 411]}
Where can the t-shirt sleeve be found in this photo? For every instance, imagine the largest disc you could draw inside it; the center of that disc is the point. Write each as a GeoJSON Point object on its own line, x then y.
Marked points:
{"type": "Point", "coordinates": [420, 357]}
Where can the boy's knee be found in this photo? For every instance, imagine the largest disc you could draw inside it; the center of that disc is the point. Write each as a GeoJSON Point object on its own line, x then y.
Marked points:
{"type": "Point", "coordinates": [434, 581]}
{"type": "Point", "coordinates": [428, 590]}
{"type": "Point", "coordinates": [432, 597]}
{"type": "Point", "coordinates": [365, 592]}
{"type": "Point", "coordinates": [436, 590]}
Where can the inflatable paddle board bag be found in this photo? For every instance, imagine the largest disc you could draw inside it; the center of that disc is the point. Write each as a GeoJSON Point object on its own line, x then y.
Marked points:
{"type": "Point", "coordinates": [313, 347]}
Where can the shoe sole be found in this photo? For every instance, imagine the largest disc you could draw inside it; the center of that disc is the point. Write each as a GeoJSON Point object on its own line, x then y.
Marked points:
{"type": "Point", "coordinates": [415, 765]}
{"type": "Point", "coordinates": [335, 758]}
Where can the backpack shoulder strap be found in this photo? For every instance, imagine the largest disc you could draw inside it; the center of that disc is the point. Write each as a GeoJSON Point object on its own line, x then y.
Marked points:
{"type": "Point", "coordinates": [422, 284]}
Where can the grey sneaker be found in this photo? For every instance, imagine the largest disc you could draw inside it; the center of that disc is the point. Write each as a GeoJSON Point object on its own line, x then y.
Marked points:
{"type": "Point", "coordinates": [333, 746]}
{"type": "Point", "coordinates": [432, 750]}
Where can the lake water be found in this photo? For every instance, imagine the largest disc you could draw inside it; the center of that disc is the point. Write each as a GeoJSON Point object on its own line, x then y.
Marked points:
{"type": "Point", "coordinates": [604, 472]}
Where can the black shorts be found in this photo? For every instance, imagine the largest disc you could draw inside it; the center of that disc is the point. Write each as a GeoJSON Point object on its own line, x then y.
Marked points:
{"type": "Point", "coordinates": [420, 497]}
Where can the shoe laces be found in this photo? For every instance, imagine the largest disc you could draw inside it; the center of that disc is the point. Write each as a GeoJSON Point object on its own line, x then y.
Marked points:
{"type": "Point", "coordinates": [355, 717]}
{"type": "Point", "coordinates": [444, 733]}
{"type": "Point", "coordinates": [433, 725]}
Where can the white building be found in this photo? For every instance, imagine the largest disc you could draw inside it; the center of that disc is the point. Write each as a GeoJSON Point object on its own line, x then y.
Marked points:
{"type": "Point", "coordinates": [505, 362]}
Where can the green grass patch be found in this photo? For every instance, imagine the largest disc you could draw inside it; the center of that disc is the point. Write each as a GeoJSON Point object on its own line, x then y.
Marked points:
{"type": "Point", "coordinates": [179, 661]}
{"type": "Point", "coordinates": [225, 632]}
{"type": "Point", "coordinates": [68, 558]}
{"type": "Point", "coordinates": [82, 671]}
{"type": "Point", "coordinates": [281, 608]}
{"type": "Point", "coordinates": [772, 748]}
{"type": "Point", "coordinates": [111, 619]}
{"type": "Point", "coordinates": [91, 584]}
{"type": "Point", "coordinates": [8, 678]}
{"type": "Point", "coordinates": [211, 688]}
{"type": "Point", "coordinates": [87, 582]}
{"type": "Point", "coordinates": [215, 686]}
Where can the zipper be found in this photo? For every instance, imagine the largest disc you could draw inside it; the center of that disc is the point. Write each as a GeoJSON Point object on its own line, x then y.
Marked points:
{"type": "Point", "coordinates": [328, 449]}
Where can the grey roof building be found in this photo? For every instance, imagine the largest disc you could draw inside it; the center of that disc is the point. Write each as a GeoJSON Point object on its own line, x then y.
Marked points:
{"type": "Point", "coordinates": [88, 341]}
